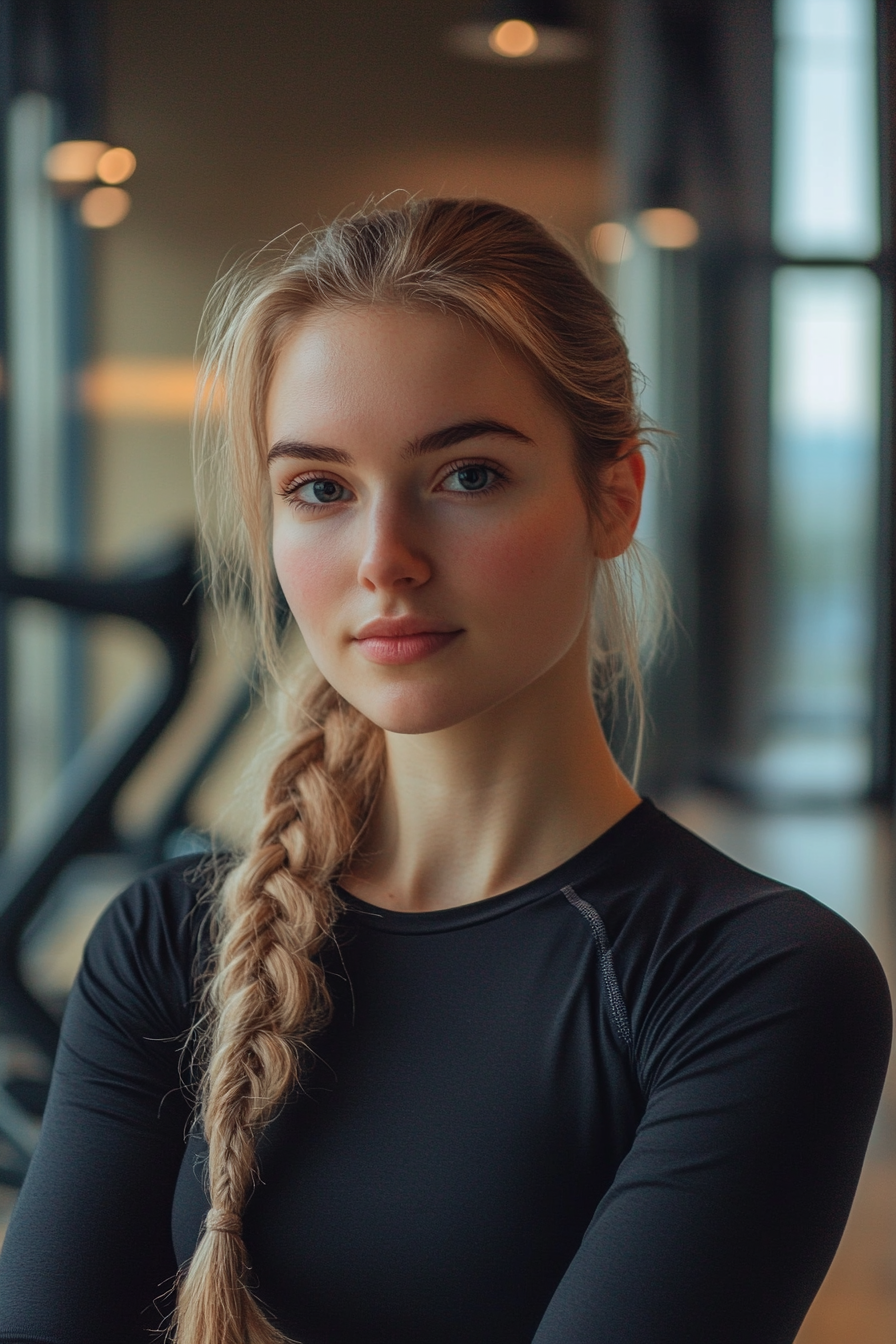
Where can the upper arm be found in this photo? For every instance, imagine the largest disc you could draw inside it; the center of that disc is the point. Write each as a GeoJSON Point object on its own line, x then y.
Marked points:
{"type": "Point", "coordinates": [763, 1074]}
{"type": "Point", "coordinates": [89, 1247]}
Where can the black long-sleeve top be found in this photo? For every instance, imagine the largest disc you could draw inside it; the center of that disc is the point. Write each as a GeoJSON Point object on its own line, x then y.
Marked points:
{"type": "Point", "coordinates": [626, 1102]}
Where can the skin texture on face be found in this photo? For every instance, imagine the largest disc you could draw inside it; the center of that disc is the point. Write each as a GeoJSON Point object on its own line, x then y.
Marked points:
{"type": "Point", "coordinates": [485, 542]}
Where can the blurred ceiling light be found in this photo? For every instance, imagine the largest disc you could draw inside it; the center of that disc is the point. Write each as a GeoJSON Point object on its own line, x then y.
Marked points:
{"type": "Point", "coordinates": [74, 160]}
{"type": "Point", "coordinates": [532, 32]}
{"type": "Point", "coordinates": [513, 37]}
{"type": "Point", "coordinates": [103, 207]}
{"type": "Point", "coordinates": [116, 165]}
{"type": "Point", "coordinates": [667, 227]}
{"type": "Point", "coordinates": [140, 389]}
{"type": "Point", "coordinates": [611, 243]}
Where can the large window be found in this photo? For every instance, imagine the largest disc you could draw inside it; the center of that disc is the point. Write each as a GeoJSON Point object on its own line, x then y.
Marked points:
{"type": "Point", "coordinates": [825, 399]}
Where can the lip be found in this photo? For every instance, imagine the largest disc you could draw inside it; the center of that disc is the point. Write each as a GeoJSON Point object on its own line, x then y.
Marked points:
{"type": "Point", "coordinates": [404, 639]}
{"type": "Point", "coordinates": [399, 627]}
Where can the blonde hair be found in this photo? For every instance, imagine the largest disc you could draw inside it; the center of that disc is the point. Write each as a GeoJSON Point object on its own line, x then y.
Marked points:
{"type": "Point", "coordinates": [502, 271]}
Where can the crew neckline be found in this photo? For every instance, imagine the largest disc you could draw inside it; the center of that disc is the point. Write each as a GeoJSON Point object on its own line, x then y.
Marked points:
{"type": "Point", "coordinates": [569, 873]}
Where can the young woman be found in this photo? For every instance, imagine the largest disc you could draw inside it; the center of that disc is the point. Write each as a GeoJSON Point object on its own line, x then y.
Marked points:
{"type": "Point", "coordinates": [486, 1048]}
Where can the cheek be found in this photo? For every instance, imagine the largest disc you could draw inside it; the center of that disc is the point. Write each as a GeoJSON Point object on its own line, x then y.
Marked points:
{"type": "Point", "coordinates": [312, 573]}
{"type": "Point", "coordinates": [540, 565]}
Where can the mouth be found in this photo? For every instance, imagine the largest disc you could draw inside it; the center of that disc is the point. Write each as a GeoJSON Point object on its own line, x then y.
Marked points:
{"type": "Point", "coordinates": [404, 639]}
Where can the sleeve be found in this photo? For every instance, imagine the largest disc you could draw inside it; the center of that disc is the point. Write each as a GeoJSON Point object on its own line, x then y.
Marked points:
{"type": "Point", "coordinates": [762, 1057]}
{"type": "Point", "coordinates": [88, 1255]}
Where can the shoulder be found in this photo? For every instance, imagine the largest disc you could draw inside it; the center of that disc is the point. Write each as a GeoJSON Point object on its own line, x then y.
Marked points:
{"type": "Point", "coordinates": [662, 887]}
{"type": "Point", "coordinates": [697, 937]}
{"type": "Point", "coordinates": [164, 911]}
{"type": "Point", "coordinates": [148, 950]}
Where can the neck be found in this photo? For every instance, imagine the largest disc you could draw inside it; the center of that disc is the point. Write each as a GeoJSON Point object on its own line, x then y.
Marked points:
{"type": "Point", "coordinates": [493, 802]}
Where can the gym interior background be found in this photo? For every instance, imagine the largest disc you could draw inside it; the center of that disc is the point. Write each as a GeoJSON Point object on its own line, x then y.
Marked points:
{"type": "Point", "coordinates": [725, 167]}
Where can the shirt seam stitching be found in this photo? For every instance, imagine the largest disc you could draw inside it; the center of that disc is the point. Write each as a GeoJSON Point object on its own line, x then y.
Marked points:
{"type": "Point", "coordinates": [608, 971]}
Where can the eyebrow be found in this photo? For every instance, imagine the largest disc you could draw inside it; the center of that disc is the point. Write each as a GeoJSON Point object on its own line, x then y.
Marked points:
{"type": "Point", "coordinates": [435, 442]}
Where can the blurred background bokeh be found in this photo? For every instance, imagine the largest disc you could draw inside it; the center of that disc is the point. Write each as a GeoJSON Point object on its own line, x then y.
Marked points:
{"type": "Point", "coordinates": [725, 170]}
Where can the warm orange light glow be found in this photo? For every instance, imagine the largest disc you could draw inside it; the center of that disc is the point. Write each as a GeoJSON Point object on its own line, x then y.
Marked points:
{"type": "Point", "coordinates": [140, 389]}
{"type": "Point", "coordinates": [513, 38]}
{"type": "Point", "coordinates": [669, 228]}
{"type": "Point", "coordinates": [73, 160]}
{"type": "Point", "coordinates": [104, 206]}
{"type": "Point", "coordinates": [611, 243]}
{"type": "Point", "coordinates": [116, 165]}
{"type": "Point", "coordinates": [540, 44]}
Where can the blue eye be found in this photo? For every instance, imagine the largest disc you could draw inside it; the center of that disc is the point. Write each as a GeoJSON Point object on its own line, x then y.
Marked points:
{"type": "Point", "coordinates": [321, 491]}
{"type": "Point", "coordinates": [470, 479]}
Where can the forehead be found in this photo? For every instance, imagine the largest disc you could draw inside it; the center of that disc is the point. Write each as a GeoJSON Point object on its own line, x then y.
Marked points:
{"type": "Point", "coordinates": [343, 370]}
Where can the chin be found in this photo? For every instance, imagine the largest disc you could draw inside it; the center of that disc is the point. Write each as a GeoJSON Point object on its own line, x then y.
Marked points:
{"type": "Point", "coordinates": [414, 709]}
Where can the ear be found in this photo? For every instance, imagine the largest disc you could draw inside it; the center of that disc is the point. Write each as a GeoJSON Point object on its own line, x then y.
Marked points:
{"type": "Point", "coordinates": [621, 488]}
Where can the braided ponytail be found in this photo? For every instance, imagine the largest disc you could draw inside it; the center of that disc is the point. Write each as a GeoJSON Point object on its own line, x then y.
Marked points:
{"type": "Point", "coordinates": [502, 271]}
{"type": "Point", "coordinates": [269, 994]}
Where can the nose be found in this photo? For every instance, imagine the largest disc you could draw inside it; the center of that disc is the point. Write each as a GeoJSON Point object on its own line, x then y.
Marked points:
{"type": "Point", "coordinates": [391, 559]}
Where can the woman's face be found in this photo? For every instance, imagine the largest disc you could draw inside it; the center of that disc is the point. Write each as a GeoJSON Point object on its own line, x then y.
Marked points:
{"type": "Point", "coordinates": [429, 533]}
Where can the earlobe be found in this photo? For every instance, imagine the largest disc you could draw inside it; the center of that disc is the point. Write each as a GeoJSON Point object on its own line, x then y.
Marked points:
{"type": "Point", "coordinates": [622, 488]}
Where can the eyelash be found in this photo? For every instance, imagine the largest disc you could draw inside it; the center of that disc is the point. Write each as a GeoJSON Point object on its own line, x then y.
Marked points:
{"type": "Point", "coordinates": [290, 491]}
{"type": "Point", "coordinates": [501, 477]}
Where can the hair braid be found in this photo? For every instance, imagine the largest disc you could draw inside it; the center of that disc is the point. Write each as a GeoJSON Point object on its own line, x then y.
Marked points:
{"type": "Point", "coordinates": [268, 993]}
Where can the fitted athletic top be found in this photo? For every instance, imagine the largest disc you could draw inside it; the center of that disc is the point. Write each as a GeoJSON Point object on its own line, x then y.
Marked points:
{"type": "Point", "coordinates": [627, 1102]}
